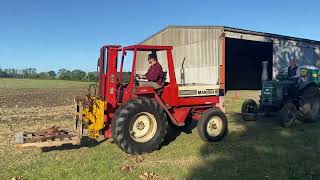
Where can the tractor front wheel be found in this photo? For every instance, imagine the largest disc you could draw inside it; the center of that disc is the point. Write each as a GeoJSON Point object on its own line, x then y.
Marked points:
{"type": "Point", "coordinates": [139, 126]}
{"type": "Point", "coordinates": [213, 125]}
{"type": "Point", "coordinates": [288, 114]}
{"type": "Point", "coordinates": [249, 109]}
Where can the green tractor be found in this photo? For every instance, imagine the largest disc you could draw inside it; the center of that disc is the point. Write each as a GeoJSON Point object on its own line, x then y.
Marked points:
{"type": "Point", "coordinates": [292, 99]}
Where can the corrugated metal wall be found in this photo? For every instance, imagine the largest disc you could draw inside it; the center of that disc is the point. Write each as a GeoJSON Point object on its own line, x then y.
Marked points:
{"type": "Point", "coordinates": [283, 50]}
{"type": "Point", "coordinates": [199, 47]}
{"type": "Point", "coordinates": [304, 53]}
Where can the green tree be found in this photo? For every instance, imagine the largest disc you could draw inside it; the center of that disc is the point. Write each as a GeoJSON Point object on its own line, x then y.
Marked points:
{"type": "Point", "coordinates": [64, 74]}
{"type": "Point", "coordinates": [78, 74]}
{"type": "Point", "coordinates": [10, 73]}
{"type": "Point", "coordinates": [25, 73]}
{"type": "Point", "coordinates": [92, 76]}
{"type": "Point", "coordinates": [62, 71]}
{"type": "Point", "coordinates": [33, 72]}
{"type": "Point", "coordinates": [52, 74]}
{"type": "Point", "coordinates": [43, 75]}
{"type": "Point", "coordinates": [3, 73]}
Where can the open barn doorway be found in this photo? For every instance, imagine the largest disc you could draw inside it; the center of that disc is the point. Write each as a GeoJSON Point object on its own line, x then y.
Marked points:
{"type": "Point", "coordinates": [243, 63]}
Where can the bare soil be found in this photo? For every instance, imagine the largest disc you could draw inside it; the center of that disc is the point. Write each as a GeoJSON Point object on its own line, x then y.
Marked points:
{"type": "Point", "coordinates": [33, 109]}
{"type": "Point", "coordinates": [44, 98]}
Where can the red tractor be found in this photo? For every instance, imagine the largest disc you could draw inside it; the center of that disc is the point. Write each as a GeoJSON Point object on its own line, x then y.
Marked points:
{"type": "Point", "coordinates": [137, 118]}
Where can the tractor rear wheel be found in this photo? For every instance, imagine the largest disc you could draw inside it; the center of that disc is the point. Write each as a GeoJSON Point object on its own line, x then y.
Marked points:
{"type": "Point", "coordinates": [213, 125]}
{"type": "Point", "coordinates": [310, 104]}
{"type": "Point", "coordinates": [288, 114]}
{"type": "Point", "coordinates": [139, 126]}
{"type": "Point", "coordinates": [249, 108]}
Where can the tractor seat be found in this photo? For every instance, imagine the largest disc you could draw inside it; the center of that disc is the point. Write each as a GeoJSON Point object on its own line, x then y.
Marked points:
{"type": "Point", "coordinates": [160, 89]}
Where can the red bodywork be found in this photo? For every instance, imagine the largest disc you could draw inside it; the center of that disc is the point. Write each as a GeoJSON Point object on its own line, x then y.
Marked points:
{"type": "Point", "coordinates": [114, 93]}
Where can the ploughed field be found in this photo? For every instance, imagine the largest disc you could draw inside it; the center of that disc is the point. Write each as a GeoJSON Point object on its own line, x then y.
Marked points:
{"type": "Point", "coordinates": [252, 150]}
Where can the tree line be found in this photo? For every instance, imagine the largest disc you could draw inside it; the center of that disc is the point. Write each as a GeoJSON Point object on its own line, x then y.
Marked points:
{"type": "Point", "coordinates": [62, 74]}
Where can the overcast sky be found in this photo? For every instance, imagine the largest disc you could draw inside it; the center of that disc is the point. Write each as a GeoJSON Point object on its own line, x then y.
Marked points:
{"type": "Point", "coordinates": [54, 34]}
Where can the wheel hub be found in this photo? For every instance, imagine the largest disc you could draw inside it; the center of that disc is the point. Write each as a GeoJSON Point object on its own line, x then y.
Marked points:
{"type": "Point", "coordinates": [143, 127]}
{"type": "Point", "coordinates": [250, 108]}
{"type": "Point", "coordinates": [214, 126]}
{"type": "Point", "coordinates": [140, 125]}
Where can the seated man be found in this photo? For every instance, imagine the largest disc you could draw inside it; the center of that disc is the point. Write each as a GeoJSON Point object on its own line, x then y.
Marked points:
{"type": "Point", "coordinates": [293, 70]}
{"type": "Point", "coordinates": [154, 75]}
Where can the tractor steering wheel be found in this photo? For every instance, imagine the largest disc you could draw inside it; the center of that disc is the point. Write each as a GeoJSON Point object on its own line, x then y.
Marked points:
{"type": "Point", "coordinates": [137, 79]}
{"type": "Point", "coordinates": [283, 76]}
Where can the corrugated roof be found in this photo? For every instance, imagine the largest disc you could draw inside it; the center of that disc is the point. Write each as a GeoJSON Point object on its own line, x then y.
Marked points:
{"type": "Point", "coordinates": [236, 30]}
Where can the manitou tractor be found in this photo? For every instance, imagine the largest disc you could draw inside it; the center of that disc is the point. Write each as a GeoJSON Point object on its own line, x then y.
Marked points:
{"type": "Point", "coordinates": [137, 117]}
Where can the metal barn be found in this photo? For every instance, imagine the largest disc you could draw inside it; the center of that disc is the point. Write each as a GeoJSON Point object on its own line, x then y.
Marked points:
{"type": "Point", "coordinates": [228, 56]}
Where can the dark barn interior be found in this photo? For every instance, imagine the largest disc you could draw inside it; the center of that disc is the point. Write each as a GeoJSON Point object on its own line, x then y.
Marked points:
{"type": "Point", "coordinates": [243, 63]}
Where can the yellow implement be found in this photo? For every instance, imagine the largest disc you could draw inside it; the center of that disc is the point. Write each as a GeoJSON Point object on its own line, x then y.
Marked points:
{"type": "Point", "coordinates": [89, 112]}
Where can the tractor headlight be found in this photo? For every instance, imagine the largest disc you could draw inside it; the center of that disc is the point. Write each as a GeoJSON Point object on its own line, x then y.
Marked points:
{"type": "Point", "coordinates": [266, 91]}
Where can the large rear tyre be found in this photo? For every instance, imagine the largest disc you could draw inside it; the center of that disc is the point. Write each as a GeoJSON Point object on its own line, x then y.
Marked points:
{"type": "Point", "coordinates": [288, 115]}
{"type": "Point", "coordinates": [213, 125]}
{"type": "Point", "coordinates": [139, 126]}
{"type": "Point", "coordinates": [249, 109]}
{"type": "Point", "coordinates": [310, 104]}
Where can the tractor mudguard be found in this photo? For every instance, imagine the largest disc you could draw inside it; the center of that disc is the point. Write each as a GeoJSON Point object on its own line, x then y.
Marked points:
{"type": "Point", "coordinates": [303, 85]}
{"type": "Point", "coordinates": [143, 90]}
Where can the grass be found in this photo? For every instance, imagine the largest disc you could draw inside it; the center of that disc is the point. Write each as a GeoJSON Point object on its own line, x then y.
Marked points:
{"type": "Point", "coordinates": [252, 150]}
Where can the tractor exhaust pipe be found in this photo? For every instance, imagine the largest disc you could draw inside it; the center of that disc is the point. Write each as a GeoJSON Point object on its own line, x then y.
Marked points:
{"type": "Point", "coordinates": [182, 75]}
{"type": "Point", "coordinates": [264, 76]}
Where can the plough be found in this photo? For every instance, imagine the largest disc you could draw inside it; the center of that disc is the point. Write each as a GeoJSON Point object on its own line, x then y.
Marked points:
{"type": "Point", "coordinates": [51, 137]}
